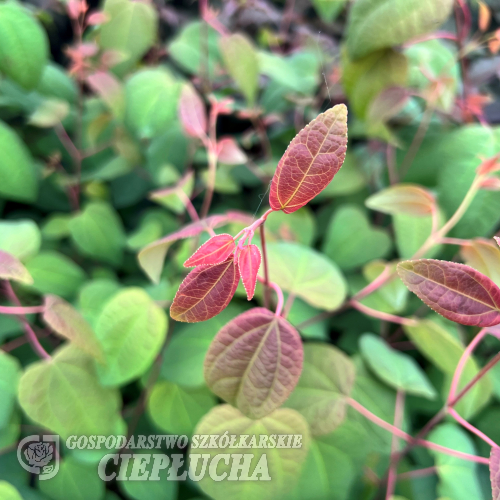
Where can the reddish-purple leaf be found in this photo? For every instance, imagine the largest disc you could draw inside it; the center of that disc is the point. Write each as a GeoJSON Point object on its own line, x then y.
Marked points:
{"type": "Point", "coordinates": [249, 263]}
{"type": "Point", "coordinates": [230, 153]}
{"type": "Point", "coordinates": [495, 472]}
{"type": "Point", "coordinates": [205, 292]}
{"type": "Point", "coordinates": [458, 292]}
{"type": "Point", "coordinates": [214, 251]}
{"type": "Point", "coordinates": [311, 160]}
{"type": "Point", "coordinates": [255, 362]}
{"type": "Point", "coordinates": [192, 112]}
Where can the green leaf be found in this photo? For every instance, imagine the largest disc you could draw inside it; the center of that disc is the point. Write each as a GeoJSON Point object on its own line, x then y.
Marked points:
{"type": "Point", "coordinates": [411, 232]}
{"type": "Point", "coordinates": [438, 62]}
{"type": "Point", "coordinates": [395, 368]}
{"type": "Point", "coordinates": [20, 238]}
{"type": "Point", "coordinates": [299, 226]}
{"type": "Point", "coordinates": [483, 256]}
{"type": "Point", "coordinates": [185, 354]}
{"type": "Point", "coordinates": [364, 79]}
{"type": "Point", "coordinates": [51, 112]}
{"type": "Point", "coordinates": [98, 232]}
{"type": "Point", "coordinates": [377, 24]}
{"type": "Point", "coordinates": [74, 480]}
{"type": "Point", "coordinates": [64, 395]}
{"type": "Point", "coordinates": [56, 226]}
{"type": "Point", "coordinates": [333, 464]}
{"type": "Point", "coordinates": [8, 492]}
{"type": "Point", "coordinates": [151, 101]}
{"type": "Point", "coordinates": [283, 464]}
{"type": "Point", "coordinates": [131, 29]}
{"type": "Point", "coordinates": [56, 83]}
{"type": "Point", "coordinates": [298, 72]}
{"type": "Point", "coordinates": [177, 410]}
{"type": "Point", "coordinates": [458, 478]}
{"type": "Point", "coordinates": [131, 329]}
{"type": "Point", "coordinates": [54, 273]}
{"type": "Point", "coordinates": [196, 48]}
{"type": "Point", "coordinates": [444, 350]}
{"type": "Point", "coordinates": [326, 381]}
{"type": "Point", "coordinates": [162, 488]}
{"type": "Point", "coordinates": [18, 175]}
{"type": "Point", "coordinates": [24, 46]}
{"type": "Point", "coordinates": [10, 371]}
{"type": "Point", "coordinates": [306, 273]}
{"type": "Point", "coordinates": [93, 297]}
{"type": "Point", "coordinates": [65, 320]}
{"type": "Point", "coordinates": [458, 154]}
{"type": "Point", "coordinates": [240, 59]}
{"type": "Point", "coordinates": [350, 240]}
{"type": "Point", "coordinates": [328, 10]}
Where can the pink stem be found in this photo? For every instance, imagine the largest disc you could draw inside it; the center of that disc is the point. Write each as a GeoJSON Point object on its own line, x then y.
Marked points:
{"type": "Point", "coordinates": [471, 428]}
{"type": "Point", "coordinates": [31, 335]}
{"type": "Point", "coordinates": [21, 310]}
{"type": "Point", "coordinates": [381, 315]}
{"type": "Point", "coordinates": [426, 444]}
{"type": "Point", "coordinates": [454, 241]}
{"type": "Point", "coordinates": [398, 420]}
{"type": "Point", "coordinates": [432, 36]}
{"type": "Point", "coordinates": [188, 204]}
{"type": "Point", "coordinates": [463, 361]}
{"type": "Point", "coordinates": [380, 280]}
{"type": "Point", "coordinates": [279, 293]}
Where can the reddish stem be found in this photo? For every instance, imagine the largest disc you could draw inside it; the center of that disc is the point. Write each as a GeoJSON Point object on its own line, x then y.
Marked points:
{"type": "Point", "coordinates": [471, 428]}
{"type": "Point", "coordinates": [403, 435]}
{"type": "Point", "coordinates": [21, 310]}
{"type": "Point", "coordinates": [381, 315]}
{"type": "Point", "coordinates": [398, 420]}
{"type": "Point", "coordinates": [266, 267]}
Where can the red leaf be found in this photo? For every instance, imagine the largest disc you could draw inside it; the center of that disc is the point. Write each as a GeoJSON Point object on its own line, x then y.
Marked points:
{"type": "Point", "coordinates": [311, 160]}
{"type": "Point", "coordinates": [216, 250]}
{"type": "Point", "coordinates": [192, 113]}
{"type": "Point", "coordinates": [205, 292]}
{"type": "Point", "coordinates": [255, 362]}
{"type": "Point", "coordinates": [249, 263]}
{"type": "Point", "coordinates": [495, 472]}
{"type": "Point", "coordinates": [458, 292]}
{"type": "Point", "coordinates": [152, 256]}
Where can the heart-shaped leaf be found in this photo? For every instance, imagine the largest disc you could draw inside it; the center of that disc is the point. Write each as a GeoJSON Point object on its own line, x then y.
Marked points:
{"type": "Point", "coordinates": [214, 251]}
{"type": "Point", "coordinates": [325, 383]}
{"type": "Point", "coordinates": [282, 465]}
{"type": "Point", "coordinates": [495, 472]}
{"type": "Point", "coordinates": [407, 199]}
{"type": "Point", "coordinates": [230, 153]}
{"type": "Point", "coordinates": [311, 160]}
{"type": "Point", "coordinates": [351, 241]}
{"type": "Point", "coordinates": [205, 292]}
{"type": "Point", "coordinates": [249, 262]}
{"type": "Point", "coordinates": [395, 368]}
{"type": "Point", "coordinates": [255, 362]}
{"type": "Point", "coordinates": [307, 274]}
{"type": "Point", "coordinates": [453, 290]}
{"type": "Point", "coordinates": [192, 112]}
{"type": "Point", "coordinates": [12, 269]}
{"type": "Point", "coordinates": [65, 320]}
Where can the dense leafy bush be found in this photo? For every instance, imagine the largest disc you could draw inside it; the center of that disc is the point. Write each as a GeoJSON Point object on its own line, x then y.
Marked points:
{"type": "Point", "coordinates": [139, 139]}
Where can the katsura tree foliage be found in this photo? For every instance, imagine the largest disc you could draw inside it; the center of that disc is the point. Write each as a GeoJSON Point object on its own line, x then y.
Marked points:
{"type": "Point", "coordinates": [190, 244]}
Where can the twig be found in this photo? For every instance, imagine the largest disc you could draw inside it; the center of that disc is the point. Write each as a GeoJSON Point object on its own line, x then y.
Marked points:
{"type": "Point", "coordinates": [398, 420]}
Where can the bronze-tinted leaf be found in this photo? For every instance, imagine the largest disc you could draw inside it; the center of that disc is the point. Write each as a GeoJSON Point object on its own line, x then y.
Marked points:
{"type": "Point", "coordinates": [456, 291]}
{"type": "Point", "coordinates": [255, 362]}
{"type": "Point", "coordinates": [311, 160]}
{"type": "Point", "coordinates": [495, 472]}
{"type": "Point", "coordinates": [192, 112]}
{"type": "Point", "coordinates": [205, 292]}
{"type": "Point", "coordinates": [249, 262]}
{"type": "Point", "coordinates": [12, 269]}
